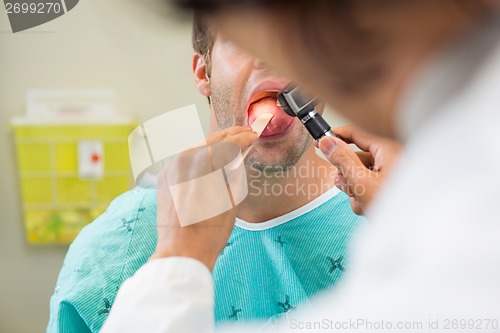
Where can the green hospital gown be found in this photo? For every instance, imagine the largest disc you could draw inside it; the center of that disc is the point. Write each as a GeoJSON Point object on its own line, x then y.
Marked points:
{"type": "Point", "coordinates": [265, 270]}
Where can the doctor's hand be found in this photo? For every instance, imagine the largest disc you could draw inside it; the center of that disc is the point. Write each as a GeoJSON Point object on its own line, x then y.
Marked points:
{"type": "Point", "coordinates": [360, 174]}
{"type": "Point", "coordinates": [188, 223]}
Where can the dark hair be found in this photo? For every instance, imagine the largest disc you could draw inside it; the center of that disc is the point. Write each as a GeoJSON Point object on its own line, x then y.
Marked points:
{"type": "Point", "coordinates": [214, 5]}
{"type": "Point", "coordinates": [317, 36]}
{"type": "Point", "coordinates": [202, 38]}
{"type": "Point", "coordinates": [335, 38]}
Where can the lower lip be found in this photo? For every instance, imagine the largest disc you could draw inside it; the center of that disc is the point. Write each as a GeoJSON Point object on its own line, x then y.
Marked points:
{"type": "Point", "coordinates": [278, 136]}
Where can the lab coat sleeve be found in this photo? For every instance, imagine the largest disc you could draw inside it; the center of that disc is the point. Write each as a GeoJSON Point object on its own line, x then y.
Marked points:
{"type": "Point", "coordinates": [166, 295]}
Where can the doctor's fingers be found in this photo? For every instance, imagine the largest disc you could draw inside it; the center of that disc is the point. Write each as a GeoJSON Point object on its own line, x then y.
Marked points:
{"type": "Point", "coordinates": [228, 134]}
{"type": "Point", "coordinates": [242, 139]}
{"type": "Point", "coordinates": [366, 158]}
{"type": "Point", "coordinates": [382, 153]}
{"type": "Point", "coordinates": [342, 184]}
{"type": "Point", "coordinates": [355, 179]}
{"type": "Point", "coordinates": [358, 194]}
{"type": "Point", "coordinates": [340, 154]}
{"type": "Point", "coordinates": [222, 148]}
{"type": "Point", "coordinates": [356, 207]}
{"type": "Point", "coordinates": [357, 136]}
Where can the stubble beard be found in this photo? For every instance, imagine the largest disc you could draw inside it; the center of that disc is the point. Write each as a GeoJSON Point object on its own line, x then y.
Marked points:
{"type": "Point", "coordinates": [227, 115]}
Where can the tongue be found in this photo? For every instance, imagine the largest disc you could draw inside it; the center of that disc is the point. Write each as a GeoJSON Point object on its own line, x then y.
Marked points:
{"type": "Point", "coordinates": [280, 119]}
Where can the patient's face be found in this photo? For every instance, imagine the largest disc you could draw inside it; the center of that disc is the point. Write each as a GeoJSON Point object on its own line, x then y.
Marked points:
{"type": "Point", "coordinates": [360, 56]}
{"type": "Point", "coordinates": [243, 88]}
{"type": "Point", "coordinates": [336, 73]}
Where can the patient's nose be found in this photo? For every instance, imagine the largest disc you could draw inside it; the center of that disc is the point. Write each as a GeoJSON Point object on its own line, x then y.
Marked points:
{"type": "Point", "coordinates": [258, 63]}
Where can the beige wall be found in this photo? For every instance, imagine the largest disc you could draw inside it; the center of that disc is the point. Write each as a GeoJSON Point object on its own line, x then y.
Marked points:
{"type": "Point", "coordinates": [144, 56]}
{"type": "Point", "coordinates": [141, 52]}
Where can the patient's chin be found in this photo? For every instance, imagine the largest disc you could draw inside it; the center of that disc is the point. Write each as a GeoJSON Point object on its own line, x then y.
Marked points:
{"type": "Point", "coordinates": [271, 164]}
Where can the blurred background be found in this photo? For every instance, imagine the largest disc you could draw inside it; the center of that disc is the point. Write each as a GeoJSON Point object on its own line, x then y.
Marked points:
{"type": "Point", "coordinates": [136, 48]}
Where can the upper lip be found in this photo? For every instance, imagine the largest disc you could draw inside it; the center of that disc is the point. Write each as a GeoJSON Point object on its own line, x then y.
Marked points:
{"type": "Point", "coordinates": [265, 90]}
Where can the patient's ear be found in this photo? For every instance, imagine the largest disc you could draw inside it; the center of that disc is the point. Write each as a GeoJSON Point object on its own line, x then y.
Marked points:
{"type": "Point", "coordinates": [200, 74]}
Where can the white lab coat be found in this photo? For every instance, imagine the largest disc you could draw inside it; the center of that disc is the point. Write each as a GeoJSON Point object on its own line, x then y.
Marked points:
{"type": "Point", "coordinates": [432, 252]}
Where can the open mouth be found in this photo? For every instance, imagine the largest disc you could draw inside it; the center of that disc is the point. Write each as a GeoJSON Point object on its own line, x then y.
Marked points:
{"type": "Point", "coordinates": [265, 94]}
{"type": "Point", "coordinates": [265, 102]}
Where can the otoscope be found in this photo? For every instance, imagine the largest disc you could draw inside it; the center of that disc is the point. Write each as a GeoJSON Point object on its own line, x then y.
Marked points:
{"type": "Point", "coordinates": [297, 104]}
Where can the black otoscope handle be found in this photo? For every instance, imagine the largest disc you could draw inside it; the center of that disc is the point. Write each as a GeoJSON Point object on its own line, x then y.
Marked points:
{"type": "Point", "coordinates": [296, 104]}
